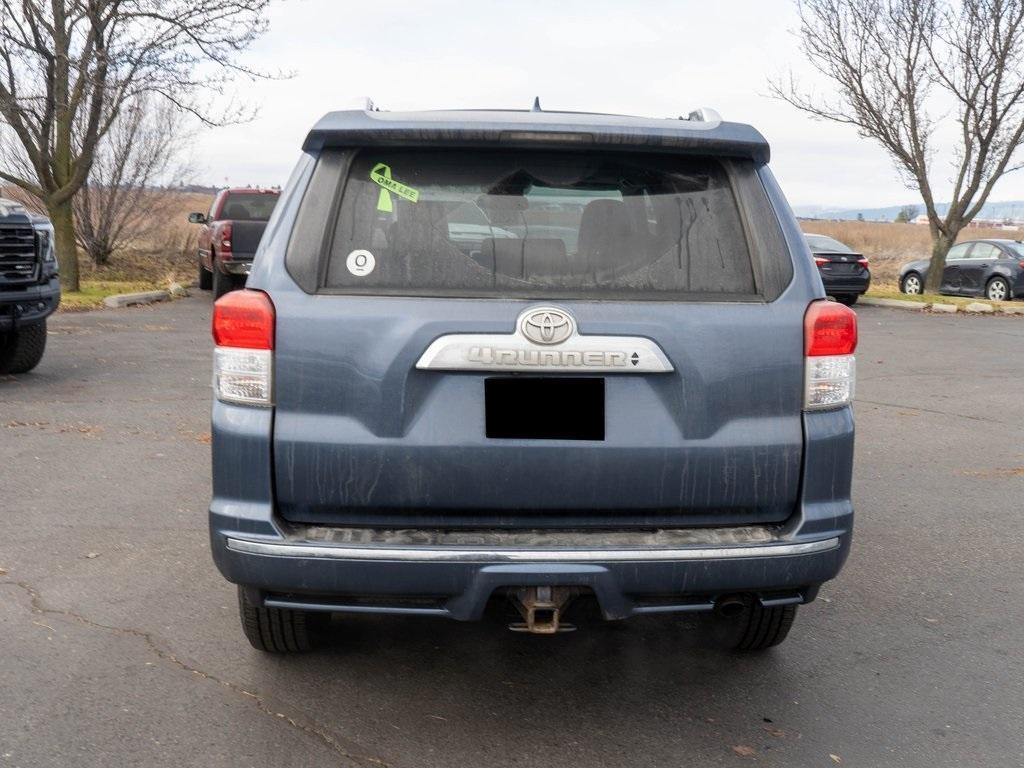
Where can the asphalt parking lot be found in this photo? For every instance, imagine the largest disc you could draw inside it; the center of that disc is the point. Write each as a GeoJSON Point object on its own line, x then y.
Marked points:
{"type": "Point", "coordinates": [120, 644]}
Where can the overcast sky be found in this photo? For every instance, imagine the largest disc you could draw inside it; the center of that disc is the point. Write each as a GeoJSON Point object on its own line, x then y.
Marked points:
{"type": "Point", "coordinates": [642, 57]}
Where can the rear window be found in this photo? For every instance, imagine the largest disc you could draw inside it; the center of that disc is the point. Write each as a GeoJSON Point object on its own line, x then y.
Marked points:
{"type": "Point", "coordinates": [516, 222]}
{"type": "Point", "coordinates": [248, 206]}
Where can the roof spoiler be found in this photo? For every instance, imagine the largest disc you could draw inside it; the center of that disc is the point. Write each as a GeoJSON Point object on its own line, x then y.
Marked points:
{"type": "Point", "coordinates": [701, 132]}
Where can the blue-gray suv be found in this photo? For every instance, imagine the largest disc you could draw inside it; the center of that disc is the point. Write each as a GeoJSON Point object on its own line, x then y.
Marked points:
{"type": "Point", "coordinates": [534, 358]}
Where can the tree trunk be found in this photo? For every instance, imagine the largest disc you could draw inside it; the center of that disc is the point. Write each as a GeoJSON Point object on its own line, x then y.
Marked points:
{"type": "Point", "coordinates": [940, 247]}
{"type": "Point", "coordinates": [98, 250]}
{"type": "Point", "coordinates": [62, 217]}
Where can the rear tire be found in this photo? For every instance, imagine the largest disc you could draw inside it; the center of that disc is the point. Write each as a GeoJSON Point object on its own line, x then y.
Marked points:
{"type": "Point", "coordinates": [912, 284]}
{"type": "Point", "coordinates": [205, 278]}
{"type": "Point", "coordinates": [849, 299]}
{"type": "Point", "coordinates": [221, 283]}
{"type": "Point", "coordinates": [765, 627]}
{"type": "Point", "coordinates": [997, 290]}
{"type": "Point", "coordinates": [21, 350]}
{"type": "Point", "coordinates": [276, 630]}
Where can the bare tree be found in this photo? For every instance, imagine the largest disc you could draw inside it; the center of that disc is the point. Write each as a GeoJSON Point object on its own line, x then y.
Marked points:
{"type": "Point", "coordinates": [142, 149]}
{"type": "Point", "coordinates": [68, 67]}
{"type": "Point", "coordinates": [901, 67]}
{"type": "Point", "coordinates": [907, 214]}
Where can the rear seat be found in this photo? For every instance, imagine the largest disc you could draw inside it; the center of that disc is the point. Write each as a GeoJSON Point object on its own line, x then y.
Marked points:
{"type": "Point", "coordinates": [525, 257]}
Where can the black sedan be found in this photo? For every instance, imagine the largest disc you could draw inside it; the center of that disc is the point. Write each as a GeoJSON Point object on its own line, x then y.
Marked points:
{"type": "Point", "coordinates": [990, 268]}
{"type": "Point", "coordinates": [844, 272]}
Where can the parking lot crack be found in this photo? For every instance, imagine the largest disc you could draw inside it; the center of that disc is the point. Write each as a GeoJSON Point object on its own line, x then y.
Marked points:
{"type": "Point", "coordinates": [928, 410]}
{"type": "Point", "coordinates": [39, 607]}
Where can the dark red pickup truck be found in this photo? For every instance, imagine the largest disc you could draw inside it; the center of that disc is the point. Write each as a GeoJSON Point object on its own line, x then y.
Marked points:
{"type": "Point", "coordinates": [232, 230]}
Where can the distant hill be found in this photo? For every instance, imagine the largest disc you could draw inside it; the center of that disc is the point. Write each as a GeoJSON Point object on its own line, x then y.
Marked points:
{"type": "Point", "coordinates": [1011, 209]}
{"type": "Point", "coordinates": [199, 188]}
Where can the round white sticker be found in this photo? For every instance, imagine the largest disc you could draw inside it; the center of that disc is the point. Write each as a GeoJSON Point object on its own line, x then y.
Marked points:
{"type": "Point", "coordinates": [360, 263]}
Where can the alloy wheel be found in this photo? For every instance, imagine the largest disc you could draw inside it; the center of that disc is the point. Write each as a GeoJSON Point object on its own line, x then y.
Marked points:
{"type": "Point", "coordinates": [912, 284]}
{"type": "Point", "coordinates": [996, 290]}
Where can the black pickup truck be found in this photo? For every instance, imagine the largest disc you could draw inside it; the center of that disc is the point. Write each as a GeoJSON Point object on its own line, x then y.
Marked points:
{"type": "Point", "coordinates": [29, 286]}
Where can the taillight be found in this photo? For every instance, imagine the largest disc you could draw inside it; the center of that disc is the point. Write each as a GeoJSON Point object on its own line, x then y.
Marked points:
{"type": "Point", "coordinates": [830, 338]}
{"type": "Point", "coordinates": [819, 261]}
{"type": "Point", "coordinates": [243, 362]}
{"type": "Point", "coordinates": [863, 261]}
{"type": "Point", "coordinates": [225, 240]}
{"type": "Point", "coordinates": [1021, 263]}
{"type": "Point", "coordinates": [830, 328]}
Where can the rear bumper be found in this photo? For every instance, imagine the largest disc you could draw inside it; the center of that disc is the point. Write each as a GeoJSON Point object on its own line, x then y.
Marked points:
{"type": "Point", "coordinates": [846, 284]}
{"type": "Point", "coordinates": [457, 582]}
{"type": "Point", "coordinates": [453, 573]}
{"type": "Point", "coordinates": [28, 306]}
{"type": "Point", "coordinates": [239, 264]}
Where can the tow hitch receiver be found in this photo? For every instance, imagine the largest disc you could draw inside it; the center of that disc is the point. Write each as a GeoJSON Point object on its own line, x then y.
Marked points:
{"type": "Point", "coordinates": [542, 609]}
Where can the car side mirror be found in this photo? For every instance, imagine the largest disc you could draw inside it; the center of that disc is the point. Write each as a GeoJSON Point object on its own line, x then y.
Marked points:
{"type": "Point", "coordinates": [197, 218]}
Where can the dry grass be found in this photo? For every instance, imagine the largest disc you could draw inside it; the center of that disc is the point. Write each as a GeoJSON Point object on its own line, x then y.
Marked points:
{"type": "Point", "coordinates": [93, 292]}
{"type": "Point", "coordinates": [888, 246]}
{"type": "Point", "coordinates": [160, 253]}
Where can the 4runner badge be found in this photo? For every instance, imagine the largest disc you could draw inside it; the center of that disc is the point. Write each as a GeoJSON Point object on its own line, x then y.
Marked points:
{"type": "Point", "coordinates": [532, 347]}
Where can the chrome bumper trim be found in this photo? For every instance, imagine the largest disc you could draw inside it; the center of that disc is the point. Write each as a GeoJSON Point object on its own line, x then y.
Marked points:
{"type": "Point", "coordinates": [238, 267]}
{"type": "Point", "coordinates": [478, 555]}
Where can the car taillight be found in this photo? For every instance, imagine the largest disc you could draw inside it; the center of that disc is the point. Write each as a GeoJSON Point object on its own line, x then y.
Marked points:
{"type": "Point", "coordinates": [830, 338]}
{"type": "Point", "coordinates": [225, 240]}
{"type": "Point", "coordinates": [243, 361]}
{"type": "Point", "coordinates": [819, 261]}
{"type": "Point", "coordinates": [863, 261]}
{"type": "Point", "coordinates": [1021, 263]}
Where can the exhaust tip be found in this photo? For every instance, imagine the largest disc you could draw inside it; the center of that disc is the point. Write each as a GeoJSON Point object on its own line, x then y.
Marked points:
{"type": "Point", "coordinates": [731, 606]}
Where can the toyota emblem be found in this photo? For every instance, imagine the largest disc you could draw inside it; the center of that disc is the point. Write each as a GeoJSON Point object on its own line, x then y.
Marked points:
{"type": "Point", "coordinates": [547, 325]}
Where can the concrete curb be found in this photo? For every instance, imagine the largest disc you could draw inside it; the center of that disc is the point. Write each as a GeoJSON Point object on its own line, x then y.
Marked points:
{"type": "Point", "coordinates": [892, 303]}
{"type": "Point", "coordinates": [130, 299]}
{"type": "Point", "coordinates": [974, 308]}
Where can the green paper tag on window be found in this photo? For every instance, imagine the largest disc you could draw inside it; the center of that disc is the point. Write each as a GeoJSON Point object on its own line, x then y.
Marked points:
{"type": "Point", "coordinates": [381, 174]}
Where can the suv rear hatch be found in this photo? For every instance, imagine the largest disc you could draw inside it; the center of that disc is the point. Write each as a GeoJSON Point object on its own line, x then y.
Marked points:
{"type": "Point", "coordinates": [518, 337]}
